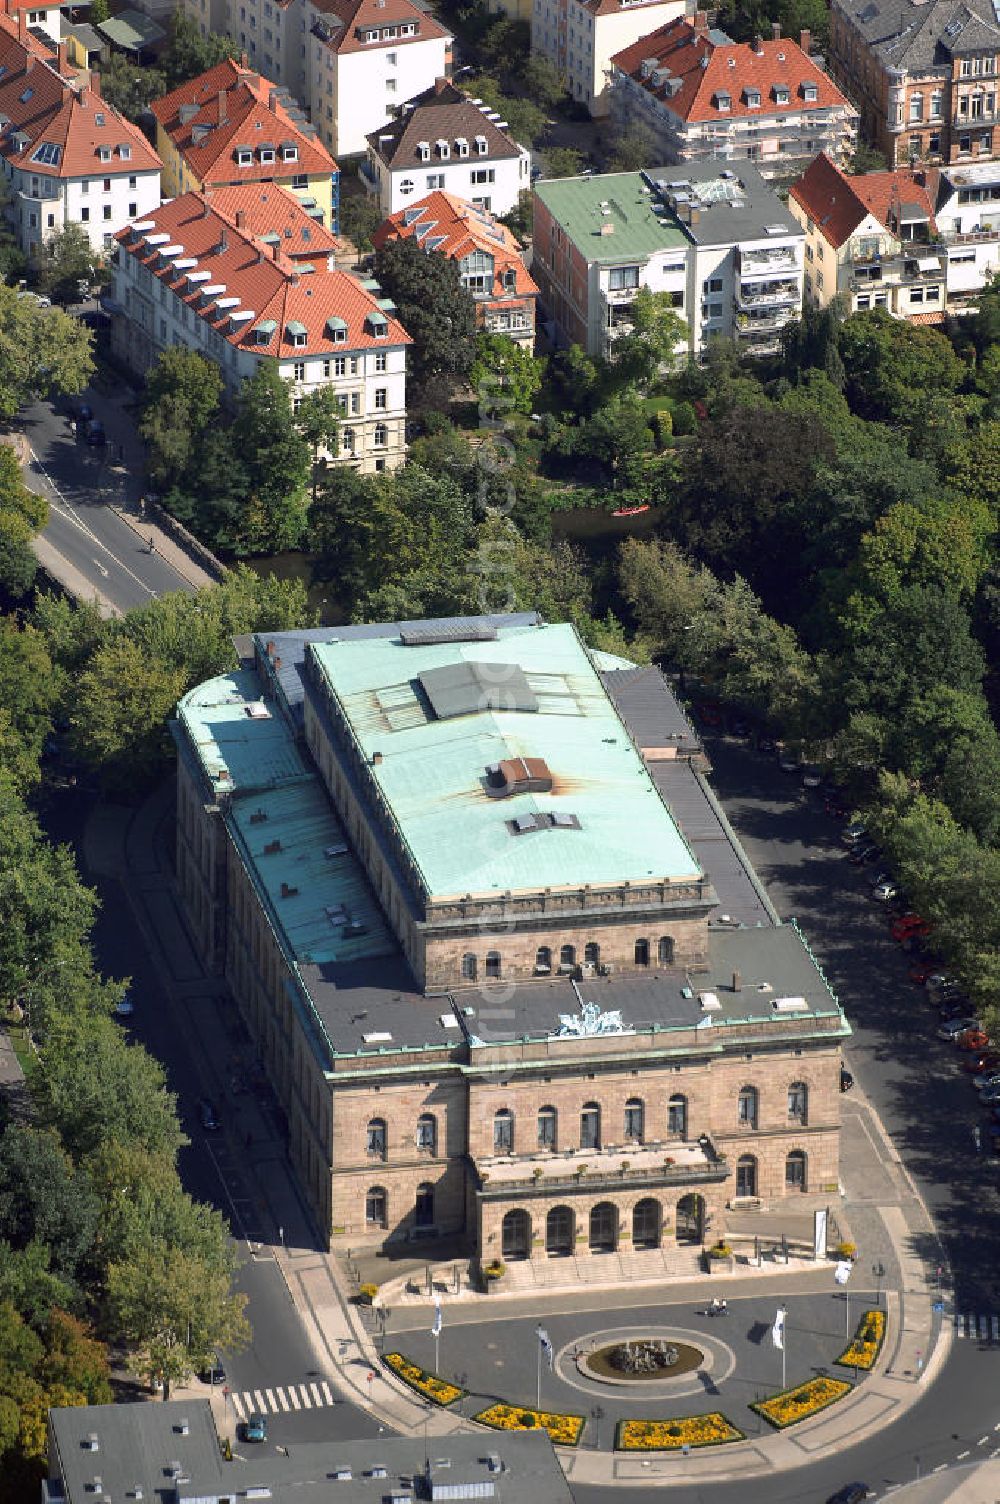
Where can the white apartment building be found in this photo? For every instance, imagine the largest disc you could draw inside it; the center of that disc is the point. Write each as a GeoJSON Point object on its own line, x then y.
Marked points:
{"type": "Point", "coordinates": [582, 36]}
{"type": "Point", "coordinates": [195, 274]}
{"type": "Point", "coordinates": [446, 142]}
{"type": "Point", "coordinates": [67, 155]}
{"type": "Point", "coordinates": [968, 220]}
{"type": "Point", "coordinates": [718, 241]}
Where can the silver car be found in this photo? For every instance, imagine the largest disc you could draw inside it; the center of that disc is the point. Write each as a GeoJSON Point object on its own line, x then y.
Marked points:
{"type": "Point", "coordinates": [953, 1027]}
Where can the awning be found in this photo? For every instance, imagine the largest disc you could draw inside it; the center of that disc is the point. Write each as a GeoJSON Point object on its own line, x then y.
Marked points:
{"type": "Point", "coordinates": [929, 263]}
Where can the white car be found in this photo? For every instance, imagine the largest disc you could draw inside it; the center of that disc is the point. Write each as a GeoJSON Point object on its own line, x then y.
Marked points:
{"type": "Point", "coordinates": [125, 1008]}
{"type": "Point", "coordinates": [885, 892]}
{"type": "Point", "coordinates": [993, 1079]}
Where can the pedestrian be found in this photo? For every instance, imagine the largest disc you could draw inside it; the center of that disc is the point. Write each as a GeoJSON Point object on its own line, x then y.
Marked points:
{"type": "Point", "coordinates": [977, 1139]}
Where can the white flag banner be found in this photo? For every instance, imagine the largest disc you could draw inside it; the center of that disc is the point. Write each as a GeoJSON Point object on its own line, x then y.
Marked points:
{"type": "Point", "coordinates": [436, 1328]}
{"type": "Point", "coordinates": [545, 1343]}
{"type": "Point", "coordinates": [778, 1329]}
{"type": "Point", "coordinates": [843, 1272]}
{"type": "Point", "coordinates": [819, 1234]}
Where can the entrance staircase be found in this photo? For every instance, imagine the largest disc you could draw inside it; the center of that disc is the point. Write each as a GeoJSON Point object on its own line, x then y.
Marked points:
{"type": "Point", "coordinates": [651, 1266]}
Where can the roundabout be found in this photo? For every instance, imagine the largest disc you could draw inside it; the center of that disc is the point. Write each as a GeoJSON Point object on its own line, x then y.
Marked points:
{"type": "Point", "coordinates": [699, 1361]}
{"type": "Point", "coordinates": [642, 1359]}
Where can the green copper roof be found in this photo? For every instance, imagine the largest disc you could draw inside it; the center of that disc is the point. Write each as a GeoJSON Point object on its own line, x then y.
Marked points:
{"type": "Point", "coordinates": [238, 741]}
{"type": "Point", "coordinates": [621, 200]}
{"type": "Point", "coordinates": [432, 774]}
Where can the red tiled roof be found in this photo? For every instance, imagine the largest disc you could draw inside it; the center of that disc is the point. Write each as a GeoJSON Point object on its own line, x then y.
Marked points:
{"type": "Point", "coordinates": [442, 222]}
{"type": "Point", "coordinates": [347, 18]}
{"type": "Point", "coordinates": [42, 107]}
{"type": "Point", "coordinates": [838, 204]}
{"type": "Point", "coordinates": [271, 286]}
{"type": "Point", "coordinates": [232, 106]}
{"type": "Point", "coordinates": [700, 71]}
{"type": "Point", "coordinates": [267, 209]}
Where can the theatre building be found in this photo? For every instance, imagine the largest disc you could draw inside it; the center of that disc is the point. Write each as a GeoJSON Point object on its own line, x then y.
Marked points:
{"type": "Point", "coordinates": [506, 965]}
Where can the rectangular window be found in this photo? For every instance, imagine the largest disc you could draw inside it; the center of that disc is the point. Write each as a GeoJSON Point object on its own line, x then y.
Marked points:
{"type": "Point", "coordinates": [107, 185]}
{"type": "Point", "coordinates": [481, 175]}
{"type": "Point", "coordinates": [299, 370]}
{"type": "Point", "coordinates": [381, 398]}
{"type": "Point", "coordinates": [503, 1133]}
{"type": "Point", "coordinates": [376, 1139]}
{"type": "Point", "coordinates": [435, 180]}
{"type": "Point", "coordinates": [85, 213]}
{"type": "Point", "coordinates": [546, 1129]}
{"type": "Point", "coordinates": [622, 277]}
{"type": "Point", "coordinates": [355, 402]}
{"type": "Point", "coordinates": [590, 1128]}
{"type": "Point", "coordinates": [133, 210]}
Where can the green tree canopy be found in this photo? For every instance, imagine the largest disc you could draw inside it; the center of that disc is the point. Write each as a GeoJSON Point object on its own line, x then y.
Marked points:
{"type": "Point", "coordinates": [44, 1198]}
{"type": "Point", "coordinates": [43, 351]}
{"type": "Point", "coordinates": [62, 261]}
{"type": "Point", "coordinates": [433, 307]}
{"type": "Point", "coordinates": [183, 391]}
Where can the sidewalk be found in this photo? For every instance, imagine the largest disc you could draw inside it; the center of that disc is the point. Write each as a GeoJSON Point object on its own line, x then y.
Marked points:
{"type": "Point", "coordinates": [879, 1205]}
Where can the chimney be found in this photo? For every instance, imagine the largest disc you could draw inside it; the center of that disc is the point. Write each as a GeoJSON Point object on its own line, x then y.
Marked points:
{"type": "Point", "coordinates": [5, 7]}
{"type": "Point", "coordinates": [758, 46]}
{"type": "Point", "coordinates": [376, 758]}
{"type": "Point", "coordinates": [95, 83]}
{"type": "Point", "coordinates": [277, 664]}
{"type": "Point", "coordinates": [701, 23]}
{"type": "Point", "coordinates": [737, 982]}
{"type": "Point", "coordinates": [244, 61]}
{"type": "Point", "coordinates": [22, 26]}
{"type": "Point", "coordinates": [223, 112]}
{"type": "Point", "coordinates": [269, 647]}
{"type": "Point", "coordinates": [775, 31]}
{"type": "Point", "coordinates": [62, 58]}
{"type": "Point", "coordinates": [241, 219]}
{"type": "Point", "coordinates": [806, 40]}
{"type": "Point", "coordinates": [223, 241]}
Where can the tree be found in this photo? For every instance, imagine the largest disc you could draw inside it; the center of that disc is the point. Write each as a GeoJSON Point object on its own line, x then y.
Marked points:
{"type": "Point", "coordinates": [631, 150]}
{"type": "Point", "coordinates": [617, 438]}
{"type": "Point", "coordinates": [318, 421]}
{"type": "Point", "coordinates": [867, 158]}
{"type": "Point", "coordinates": [891, 364]}
{"type": "Point", "coordinates": [44, 1199]}
{"type": "Point", "coordinates": [360, 217]}
{"type": "Point", "coordinates": [22, 514]}
{"type": "Point", "coordinates": [183, 391]}
{"type": "Point", "coordinates": [62, 261]}
{"type": "Point", "coordinates": [541, 81]}
{"type": "Point", "coordinates": [75, 1359]}
{"type": "Point", "coordinates": [190, 52]}
{"type": "Point", "coordinates": [129, 88]}
{"type": "Point", "coordinates": [434, 308]}
{"type": "Point", "coordinates": [525, 119]}
{"type": "Point", "coordinates": [521, 218]}
{"type": "Point", "coordinates": [121, 704]}
{"type": "Point", "coordinates": [99, 12]}
{"type": "Point", "coordinates": [651, 343]}
{"type": "Point", "coordinates": [275, 458]}
{"type": "Point", "coordinates": [934, 544]}
{"type": "Point", "coordinates": [505, 375]}
{"type": "Point", "coordinates": [42, 351]}
{"type": "Point", "coordinates": [29, 685]}
{"type": "Point", "coordinates": [27, 1283]}
{"type": "Point", "coordinates": [563, 162]}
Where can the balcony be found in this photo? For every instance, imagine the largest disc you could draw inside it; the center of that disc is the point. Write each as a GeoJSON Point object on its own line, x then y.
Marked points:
{"type": "Point", "coordinates": [670, 1162]}
{"type": "Point", "coordinates": [767, 294]}
{"type": "Point", "coordinates": [779, 258]}
{"type": "Point", "coordinates": [926, 263]}
{"type": "Point", "coordinates": [762, 325]}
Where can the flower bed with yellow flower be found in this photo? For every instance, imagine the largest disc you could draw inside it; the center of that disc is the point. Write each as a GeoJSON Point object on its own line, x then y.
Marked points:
{"type": "Point", "coordinates": [867, 1343]}
{"type": "Point", "coordinates": [806, 1399]}
{"type": "Point", "coordinates": [427, 1384]}
{"type": "Point", "coordinates": [711, 1430]}
{"type": "Point", "coordinates": [564, 1430]}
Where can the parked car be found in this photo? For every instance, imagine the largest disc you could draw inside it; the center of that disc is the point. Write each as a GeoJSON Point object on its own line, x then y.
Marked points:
{"type": "Point", "coordinates": [983, 1063]}
{"type": "Point", "coordinates": [255, 1428]}
{"type": "Point", "coordinates": [988, 1078]}
{"type": "Point", "coordinates": [955, 1007]}
{"type": "Point", "coordinates": [975, 1039]}
{"type": "Point", "coordinates": [951, 1028]}
{"type": "Point", "coordinates": [864, 852]}
{"type": "Point", "coordinates": [851, 1493]}
{"type": "Point", "coordinates": [853, 833]}
{"type": "Point", "coordinates": [207, 1116]}
{"type": "Point", "coordinates": [126, 1007]}
{"type": "Point", "coordinates": [811, 776]}
{"type": "Point", "coordinates": [214, 1374]}
{"type": "Point", "coordinates": [885, 891]}
{"type": "Point", "coordinates": [788, 762]}
{"type": "Point", "coordinates": [846, 1079]}
{"type": "Point", "coordinates": [83, 412]}
{"type": "Point", "coordinates": [907, 925]}
{"type": "Point", "coordinates": [767, 743]}
{"type": "Point", "coordinates": [95, 435]}
{"type": "Point", "coordinates": [990, 1095]}
{"type": "Point", "coordinates": [935, 980]}
{"type": "Point", "coordinates": [835, 808]}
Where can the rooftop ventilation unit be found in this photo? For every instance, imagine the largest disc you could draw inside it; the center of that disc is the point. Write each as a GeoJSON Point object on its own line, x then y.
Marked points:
{"type": "Point", "coordinates": [257, 711]}
{"type": "Point", "coordinates": [90, 1443]}
{"type": "Point", "coordinates": [379, 1037]}
{"type": "Point", "coordinates": [709, 1002]}
{"type": "Point", "coordinates": [518, 775]}
{"type": "Point", "coordinates": [790, 1005]}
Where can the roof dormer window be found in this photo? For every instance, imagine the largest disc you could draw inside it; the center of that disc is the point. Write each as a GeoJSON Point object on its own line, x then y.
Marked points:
{"type": "Point", "coordinates": [424, 151]}
{"type": "Point", "coordinates": [99, 119]}
{"type": "Point", "coordinates": [443, 150]}
{"type": "Point", "coordinates": [336, 330]}
{"type": "Point", "coordinates": [125, 152]}
{"type": "Point", "coordinates": [780, 93]}
{"type": "Point", "coordinates": [244, 156]}
{"type": "Point", "coordinates": [266, 152]}
{"type": "Point", "coordinates": [810, 93]}
{"type": "Point", "coordinates": [462, 146]}
{"type": "Point", "coordinates": [289, 151]}
{"type": "Point", "coordinates": [104, 152]}
{"type": "Point", "coordinates": [376, 324]}
{"type": "Point", "coordinates": [482, 146]}
{"type": "Point", "coordinates": [751, 98]}
{"type": "Point", "coordinates": [296, 334]}
{"type": "Point", "coordinates": [723, 100]}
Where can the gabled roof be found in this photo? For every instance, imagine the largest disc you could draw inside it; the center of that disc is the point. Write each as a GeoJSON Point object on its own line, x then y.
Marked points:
{"type": "Point", "coordinates": [221, 269]}
{"type": "Point", "coordinates": [342, 24]}
{"type": "Point", "coordinates": [69, 123]}
{"type": "Point", "coordinates": [688, 73]}
{"type": "Point", "coordinates": [838, 204]}
{"type": "Point", "coordinates": [923, 34]}
{"type": "Point", "coordinates": [210, 117]}
{"type": "Point", "coordinates": [441, 114]}
{"type": "Point", "coordinates": [275, 215]}
{"type": "Point", "coordinates": [442, 222]}
{"type": "Point", "coordinates": [131, 30]}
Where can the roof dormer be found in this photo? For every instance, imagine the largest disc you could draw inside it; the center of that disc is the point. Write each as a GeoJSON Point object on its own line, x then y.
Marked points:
{"type": "Point", "coordinates": [722, 99]}
{"type": "Point", "coordinates": [461, 146]}
{"type": "Point", "coordinates": [809, 91]}
{"type": "Point", "coordinates": [780, 93]}
{"type": "Point", "coordinates": [751, 97]}
{"type": "Point", "coordinates": [443, 149]}
{"type": "Point", "coordinates": [482, 146]}
{"type": "Point", "coordinates": [424, 151]}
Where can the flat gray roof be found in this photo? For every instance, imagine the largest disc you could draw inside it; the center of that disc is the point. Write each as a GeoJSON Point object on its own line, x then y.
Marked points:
{"type": "Point", "coordinates": [734, 202]}
{"type": "Point", "coordinates": [651, 710]}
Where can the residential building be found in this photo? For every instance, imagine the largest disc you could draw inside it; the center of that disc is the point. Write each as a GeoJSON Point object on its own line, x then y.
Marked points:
{"type": "Point", "coordinates": [363, 59]}
{"type": "Point", "coordinates": [202, 272]}
{"type": "Point", "coordinates": [231, 126]}
{"type": "Point", "coordinates": [582, 36]}
{"type": "Point", "coordinates": [134, 34]}
{"type": "Point", "coordinates": [699, 95]}
{"type": "Point", "coordinates": [489, 259]}
{"type": "Point", "coordinates": [872, 241]}
{"type": "Point", "coordinates": [500, 992]}
{"type": "Point", "coordinates": [923, 73]}
{"type": "Point", "coordinates": [172, 1451]}
{"type": "Point", "coordinates": [42, 18]}
{"type": "Point", "coordinates": [717, 240]}
{"type": "Point", "coordinates": [85, 47]}
{"type": "Point", "coordinates": [445, 141]}
{"type": "Point", "coordinates": [968, 222]}
{"type": "Point", "coordinates": [68, 156]}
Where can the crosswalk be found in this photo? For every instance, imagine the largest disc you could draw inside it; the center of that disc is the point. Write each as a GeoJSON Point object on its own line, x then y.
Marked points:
{"type": "Point", "coordinates": [281, 1398]}
{"type": "Point", "coordinates": [979, 1328]}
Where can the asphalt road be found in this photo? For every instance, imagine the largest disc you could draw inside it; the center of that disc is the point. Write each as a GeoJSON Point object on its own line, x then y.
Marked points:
{"type": "Point", "coordinates": [79, 483]}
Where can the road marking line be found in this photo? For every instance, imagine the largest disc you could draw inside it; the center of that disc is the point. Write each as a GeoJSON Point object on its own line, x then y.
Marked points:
{"type": "Point", "coordinates": [271, 1401]}
{"type": "Point", "coordinates": [326, 1393]}
{"type": "Point", "coordinates": [307, 1403]}
{"type": "Point", "coordinates": [940, 1467]}
{"type": "Point", "coordinates": [282, 1398]}
{"type": "Point", "coordinates": [237, 1405]}
{"type": "Point", "coordinates": [982, 1441]}
{"type": "Point", "coordinates": [259, 1400]}
{"type": "Point", "coordinates": [294, 1398]}
{"type": "Point", "coordinates": [962, 1456]}
{"type": "Point", "coordinates": [314, 1388]}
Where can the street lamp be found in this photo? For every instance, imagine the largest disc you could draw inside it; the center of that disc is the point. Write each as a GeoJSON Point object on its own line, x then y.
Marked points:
{"type": "Point", "coordinates": [878, 1269]}
{"type": "Point", "coordinates": [597, 1415]}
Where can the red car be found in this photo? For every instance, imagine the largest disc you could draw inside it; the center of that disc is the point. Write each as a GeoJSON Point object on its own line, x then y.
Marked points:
{"type": "Point", "coordinates": [983, 1060]}
{"type": "Point", "coordinates": [973, 1039]}
{"type": "Point", "coordinates": [909, 927]}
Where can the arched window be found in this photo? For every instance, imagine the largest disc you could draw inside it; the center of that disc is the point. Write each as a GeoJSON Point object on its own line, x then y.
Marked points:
{"type": "Point", "coordinates": [560, 1226]}
{"type": "Point", "coordinates": [592, 953]}
{"type": "Point", "coordinates": [503, 1131]}
{"type": "Point", "coordinates": [493, 964]}
{"type": "Point", "coordinates": [423, 1213]}
{"type": "Point", "coordinates": [543, 959]}
{"type": "Point", "coordinates": [515, 1234]}
{"type": "Point", "coordinates": [470, 969]}
{"type": "Point", "coordinates": [547, 1120]}
{"type": "Point", "coordinates": [646, 1224]}
{"type": "Point", "coordinates": [746, 1175]}
{"type": "Point", "coordinates": [603, 1227]}
{"type": "Point", "coordinates": [427, 1133]}
{"type": "Point", "coordinates": [665, 951]}
{"type": "Point", "coordinates": [635, 1115]}
{"type": "Point", "coordinates": [642, 953]}
{"type": "Point", "coordinates": [567, 956]}
{"type": "Point", "coordinates": [798, 1101]}
{"type": "Point", "coordinates": [677, 1115]}
{"type": "Point", "coordinates": [590, 1126]}
{"type": "Point", "coordinates": [795, 1171]}
{"type": "Point", "coordinates": [376, 1206]}
{"type": "Point", "coordinates": [375, 1140]}
{"type": "Point", "coordinates": [747, 1108]}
